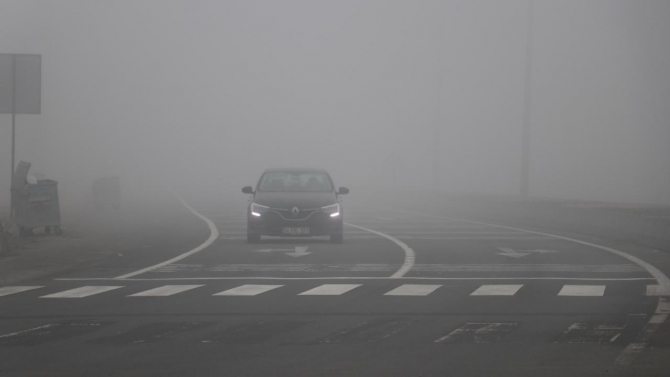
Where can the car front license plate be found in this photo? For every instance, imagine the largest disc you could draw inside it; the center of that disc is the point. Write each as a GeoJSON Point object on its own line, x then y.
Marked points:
{"type": "Point", "coordinates": [295, 231]}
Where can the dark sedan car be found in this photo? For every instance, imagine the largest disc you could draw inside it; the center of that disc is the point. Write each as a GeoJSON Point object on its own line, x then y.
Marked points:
{"type": "Point", "coordinates": [295, 203]}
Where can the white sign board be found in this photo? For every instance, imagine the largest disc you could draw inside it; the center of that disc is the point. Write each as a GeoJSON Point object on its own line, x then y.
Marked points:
{"type": "Point", "coordinates": [20, 83]}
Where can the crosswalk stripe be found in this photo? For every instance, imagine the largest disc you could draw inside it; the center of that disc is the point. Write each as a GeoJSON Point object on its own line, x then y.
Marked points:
{"type": "Point", "coordinates": [582, 290]}
{"type": "Point", "coordinates": [497, 290]}
{"type": "Point", "coordinates": [413, 290]}
{"type": "Point", "coordinates": [6, 291]}
{"type": "Point", "coordinates": [330, 290]}
{"type": "Point", "coordinates": [248, 290]}
{"type": "Point", "coordinates": [166, 290]}
{"type": "Point", "coordinates": [82, 292]}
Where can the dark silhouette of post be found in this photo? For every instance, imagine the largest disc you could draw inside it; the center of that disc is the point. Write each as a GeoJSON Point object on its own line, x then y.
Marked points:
{"type": "Point", "coordinates": [11, 200]}
{"type": "Point", "coordinates": [525, 138]}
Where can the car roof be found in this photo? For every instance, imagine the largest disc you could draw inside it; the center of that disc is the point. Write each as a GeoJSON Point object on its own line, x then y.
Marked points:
{"type": "Point", "coordinates": [295, 170]}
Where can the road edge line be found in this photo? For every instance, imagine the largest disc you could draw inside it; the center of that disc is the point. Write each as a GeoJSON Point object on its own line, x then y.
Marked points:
{"type": "Point", "coordinates": [410, 256]}
{"type": "Point", "coordinates": [213, 236]}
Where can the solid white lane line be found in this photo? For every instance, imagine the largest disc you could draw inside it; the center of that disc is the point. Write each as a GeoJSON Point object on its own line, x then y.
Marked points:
{"type": "Point", "coordinates": [330, 290]}
{"type": "Point", "coordinates": [6, 291]}
{"type": "Point", "coordinates": [213, 235]}
{"type": "Point", "coordinates": [82, 292]}
{"type": "Point", "coordinates": [166, 290]}
{"type": "Point", "coordinates": [248, 290]}
{"type": "Point", "coordinates": [410, 257]}
{"type": "Point", "coordinates": [582, 290]}
{"type": "Point", "coordinates": [413, 290]}
{"type": "Point", "coordinates": [497, 290]}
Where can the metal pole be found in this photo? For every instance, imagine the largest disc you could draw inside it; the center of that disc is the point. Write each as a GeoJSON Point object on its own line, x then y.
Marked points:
{"type": "Point", "coordinates": [11, 200]}
{"type": "Point", "coordinates": [525, 138]}
{"type": "Point", "coordinates": [437, 132]}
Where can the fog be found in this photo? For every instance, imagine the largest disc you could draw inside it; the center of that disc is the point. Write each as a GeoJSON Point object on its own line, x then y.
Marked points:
{"type": "Point", "coordinates": [201, 96]}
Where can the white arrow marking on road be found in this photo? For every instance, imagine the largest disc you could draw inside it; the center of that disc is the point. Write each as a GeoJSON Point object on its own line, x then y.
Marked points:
{"type": "Point", "coordinates": [298, 251]}
{"type": "Point", "coordinates": [508, 252]}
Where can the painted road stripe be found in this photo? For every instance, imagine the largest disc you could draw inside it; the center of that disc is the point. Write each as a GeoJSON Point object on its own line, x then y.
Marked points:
{"type": "Point", "coordinates": [80, 292]}
{"type": "Point", "coordinates": [248, 290]}
{"type": "Point", "coordinates": [413, 290]}
{"type": "Point", "coordinates": [6, 291]}
{"type": "Point", "coordinates": [655, 290]}
{"type": "Point", "coordinates": [410, 256]}
{"type": "Point", "coordinates": [582, 290]}
{"type": "Point", "coordinates": [497, 290]}
{"type": "Point", "coordinates": [330, 290]}
{"type": "Point", "coordinates": [213, 236]}
{"type": "Point", "coordinates": [166, 290]}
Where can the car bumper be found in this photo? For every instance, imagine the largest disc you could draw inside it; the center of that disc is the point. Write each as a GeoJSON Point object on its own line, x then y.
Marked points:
{"type": "Point", "coordinates": [273, 224]}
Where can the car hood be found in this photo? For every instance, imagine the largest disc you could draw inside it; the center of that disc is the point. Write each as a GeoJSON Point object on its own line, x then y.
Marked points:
{"type": "Point", "coordinates": [288, 200]}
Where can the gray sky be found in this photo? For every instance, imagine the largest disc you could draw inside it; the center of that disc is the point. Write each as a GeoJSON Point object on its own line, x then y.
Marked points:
{"type": "Point", "coordinates": [203, 95]}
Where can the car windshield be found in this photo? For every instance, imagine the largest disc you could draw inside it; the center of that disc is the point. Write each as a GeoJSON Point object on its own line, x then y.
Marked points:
{"type": "Point", "coordinates": [295, 182]}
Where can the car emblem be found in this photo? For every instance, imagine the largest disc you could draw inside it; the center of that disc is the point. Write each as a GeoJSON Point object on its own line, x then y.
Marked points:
{"type": "Point", "coordinates": [295, 211]}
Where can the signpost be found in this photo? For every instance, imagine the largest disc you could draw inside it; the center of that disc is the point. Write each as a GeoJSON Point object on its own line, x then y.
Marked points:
{"type": "Point", "coordinates": [20, 91]}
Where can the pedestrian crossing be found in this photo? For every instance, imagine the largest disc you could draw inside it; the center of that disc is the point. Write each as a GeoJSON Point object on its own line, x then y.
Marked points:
{"type": "Point", "coordinates": [248, 290]}
{"type": "Point", "coordinates": [82, 292]}
{"type": "Point", "coordinates": [6, 291]}
{"type": "Point", "coordinates": [419, 290]}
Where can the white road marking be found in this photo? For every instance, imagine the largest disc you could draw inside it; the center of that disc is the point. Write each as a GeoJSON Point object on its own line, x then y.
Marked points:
{"type": "Point", "coordinates": [413, 290]}
{"type": "Point", "coordinates": [446, 233]}
{"type": "Point", "coordinates": [497, 290]}
{"type": "Point", "coordinates": [213, 235]}
{"type": "Point", "coordinates": [354, 278]}
{"type": "Point", "coordinates": [476, 238]}
{"type": "Point", "coordinates": [661, 278]}
{"type": "Point", "coordinates": [248, 290]}
{"type": "Point", "coordinates": [654, 290]}
{"type": "Point", "coordinates": [509, 252]}
{"type": "Point", "coordinates": [330, 290]}
{"type": "Point", "coordinates": [82, 292]}
{"type": "Point", "coordinates": [662, 289]}
{"type": "Point", "coordinates": [29, 330]}
{"type": "Point", "coordinates": [480, 332]}
{"type": "Point", "coordinates": [6, 291]}
{"type": "Point", "coordinates": [582, 290]}
{"type": "Point", "coordinates": [410, 257]}
{"type": "Point", "coordinates": [167, 290]}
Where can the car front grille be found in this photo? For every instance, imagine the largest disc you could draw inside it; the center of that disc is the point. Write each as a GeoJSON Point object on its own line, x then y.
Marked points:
{"type": "Point", "coordinates": [288, 214]}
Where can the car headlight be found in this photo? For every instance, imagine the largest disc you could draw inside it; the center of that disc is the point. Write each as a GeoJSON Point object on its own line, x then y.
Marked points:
{"type": "Point", "coordinates": [257, 209]}
{"type": "Point", "coordinates": [332, 210]}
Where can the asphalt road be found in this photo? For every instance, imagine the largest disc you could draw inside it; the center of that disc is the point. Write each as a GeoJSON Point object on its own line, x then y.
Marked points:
{"type": "Point", "coordinates": [407, 294]}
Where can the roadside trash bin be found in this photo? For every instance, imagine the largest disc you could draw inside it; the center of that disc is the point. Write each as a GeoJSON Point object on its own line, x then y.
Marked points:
{"type": "Point", "coordinates": [36, 205]}
{"type": "Point", "coordinates": [107, 192]}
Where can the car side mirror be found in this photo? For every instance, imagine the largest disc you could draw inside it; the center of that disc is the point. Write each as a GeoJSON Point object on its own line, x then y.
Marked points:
{"type": "Point", "coordinates": [248, 190]}
{"type": "Point", "coordinates": [342, 191]}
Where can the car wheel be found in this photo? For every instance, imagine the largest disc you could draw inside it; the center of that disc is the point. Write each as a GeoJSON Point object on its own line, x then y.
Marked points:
{"type": "Point", "coordinates": [337, 237]}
